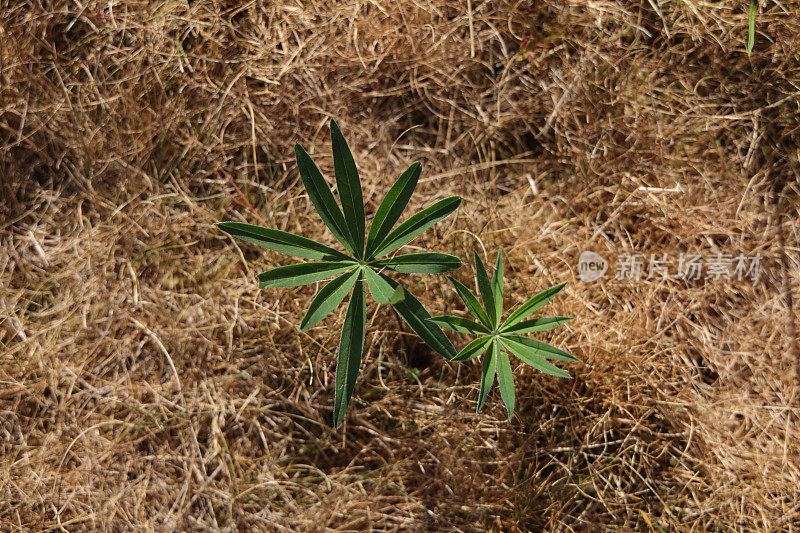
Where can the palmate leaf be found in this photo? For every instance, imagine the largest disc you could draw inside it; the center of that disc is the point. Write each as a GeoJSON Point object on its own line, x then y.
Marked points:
{"type": "Point", "coordinates": [360, 267]}
{"type": "Point", "coordinates": [416, 225]}
{"type": "Point", "coordinates": [281, 241]}
{"type": "Point", "coordinates": [422, 263]}
{"type": "Point", "coordinates": [351, 345]}
{"type": "Point", "coordinates": [497, 342]}
{"type": "Point", "coordinates": [321, 196]}
{"type": "Point", "coordinates": [392, 207]}
{"type": "Point", "coordinates": [349, 185]}
{"type": "Point", "coordinates": [302, 273]}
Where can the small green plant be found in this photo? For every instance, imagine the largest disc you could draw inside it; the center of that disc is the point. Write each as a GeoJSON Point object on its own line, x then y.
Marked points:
{"type": "Point", "coordinates": [497, 338]}
{"type": "Point", "coordinates": [751, 26]}
{"type": "Point", "coordinates": [364, 265]}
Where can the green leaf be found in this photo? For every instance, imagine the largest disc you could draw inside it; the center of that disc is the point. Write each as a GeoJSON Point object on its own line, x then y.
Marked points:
{"type": "Point", "coordinates": [415, 315]}
{"type": "Point", "coordinates": [392, 207]}
{"type": "Point", "coordinates": [281, 241]}
{"type": "Point", "coordinates": [328, 299]}
{"type": "Point", "coordinates": [485, 288]}
{"type": "Point", "coordinates": [416, 225]}
{"type": "Point", "coordinates": [751, 26]}
{"type": "Point", "coordinates": [349, 185]}
{"type": "Point", "coordinates": [471, 350]}
{"type": "Point", "coordinates": [541, 349]}
{"type": "Point", "coordinates": [322, 198]}
{"type": "Point", "coordinates": [459, 324]}
{"type": "Point", "coordinates": [487, 373]}
{"type": "Point", "coordinates": [301, 274]}
{"type": "Point", "coordinates": [530, 356]}
{"type": "Point", "coordinates": [537, 324]}
{"type": "Point", "coordinates": [497, 285]}
{"type": "Point", "coordinates": [381, 291]}
{"type": "Point", "coordinates": [533, 304]}
{"type": "Point", "coordinates": [473, 306]}
{"type": "Point", "coordinates": [423, 263]}
{"type": "Point", "coordinates": [350, 347]}
{"type": "Point", "coordinates": [506, 381]}
{"type": "Point", "coordinates": [397, 297]}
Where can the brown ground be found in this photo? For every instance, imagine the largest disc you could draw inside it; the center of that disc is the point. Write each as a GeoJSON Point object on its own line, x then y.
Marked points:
{"type": "Point", "coordinates": [147, 384]}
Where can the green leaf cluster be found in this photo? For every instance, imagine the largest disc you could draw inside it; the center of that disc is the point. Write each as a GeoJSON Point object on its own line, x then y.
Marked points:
{"type": "Point", "coordinates": [497, 340]}
{"type": "Point", "coordinates": [364, 263]}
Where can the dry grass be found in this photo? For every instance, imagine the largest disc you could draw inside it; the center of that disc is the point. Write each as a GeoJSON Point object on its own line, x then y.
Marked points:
{"type": "Point", "coordinates": [146, 384]}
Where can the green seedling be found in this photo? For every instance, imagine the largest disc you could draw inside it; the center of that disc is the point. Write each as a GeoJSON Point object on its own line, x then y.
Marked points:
{"type": "Point", "coordinates": [751, 26]}
{"type": "Point", "coordinates": [364, 264]}
{"type": "Point", "coordinates": [496, 340]}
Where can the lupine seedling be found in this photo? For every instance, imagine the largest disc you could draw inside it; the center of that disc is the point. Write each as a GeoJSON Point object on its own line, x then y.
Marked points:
{"type": "Point", "coordinates": [364, 264]}
{"type": "Point", "coordinates": [497, 339]}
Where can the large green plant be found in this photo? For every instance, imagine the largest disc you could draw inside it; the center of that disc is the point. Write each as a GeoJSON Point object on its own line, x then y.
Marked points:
{"type": "Point", "coordinates": [496, 338]}
{"type": "Point", "coordinates": [364, 264]}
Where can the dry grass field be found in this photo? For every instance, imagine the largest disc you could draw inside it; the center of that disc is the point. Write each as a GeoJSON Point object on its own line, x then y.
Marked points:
{"type": "Point", "coordinates": [147, 384]}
